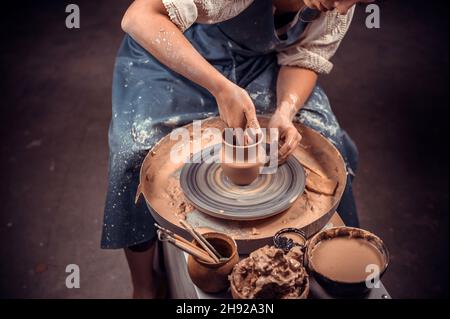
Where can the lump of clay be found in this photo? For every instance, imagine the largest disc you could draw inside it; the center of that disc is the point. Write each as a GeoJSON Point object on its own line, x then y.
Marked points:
{"type": "Point", "coordinates": [268, 273]}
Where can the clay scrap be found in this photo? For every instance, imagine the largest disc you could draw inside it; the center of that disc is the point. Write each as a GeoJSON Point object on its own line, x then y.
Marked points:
{"type": "Point", "coordinates": [320, 184]}
{"type": "Point", "coordinates": [268, 273]}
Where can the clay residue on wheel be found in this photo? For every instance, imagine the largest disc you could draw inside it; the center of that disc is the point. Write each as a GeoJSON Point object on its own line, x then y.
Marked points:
{"type": "Point", "coordinates": [161, 185]}
{"type": "Point", "coordinates": [269, 273]}
{"type": "Point", "coordinates": [177, 200]}
{"type": "Point", "coordinates": [161, 188]}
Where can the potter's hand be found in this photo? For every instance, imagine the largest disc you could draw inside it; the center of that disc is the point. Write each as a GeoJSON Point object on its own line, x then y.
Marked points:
{"type": "Point", "coordinates": [288, 136]}
{"type": "Point", "coordinates": [342, 6]}
{"type": "Point", "coordinates": [321, 5]}
{"type": "Point", "coordinates": [236, 107]}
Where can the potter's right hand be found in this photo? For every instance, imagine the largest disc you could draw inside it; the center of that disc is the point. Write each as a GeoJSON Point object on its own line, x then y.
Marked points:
{"type": "Point", "coordinates": [236, 107]}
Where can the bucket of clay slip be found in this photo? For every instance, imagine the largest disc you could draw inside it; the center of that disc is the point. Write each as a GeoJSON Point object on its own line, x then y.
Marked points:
{"type": "Point", "coordinates": [346, 261]}
{"type": "Point", "coordinates": [213, 277]}
{"type": "Point", "coordinates": [241, 162]}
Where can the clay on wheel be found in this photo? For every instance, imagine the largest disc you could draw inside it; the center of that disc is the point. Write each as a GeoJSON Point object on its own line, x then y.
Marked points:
{"type": "Point", "coordinates": [207, 188]}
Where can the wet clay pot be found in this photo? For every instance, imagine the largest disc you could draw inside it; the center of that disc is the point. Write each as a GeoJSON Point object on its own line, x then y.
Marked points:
{"type": "Point", "coordinates": [240, 162]}
{"type": "Point", "coordinates": [213, 277]}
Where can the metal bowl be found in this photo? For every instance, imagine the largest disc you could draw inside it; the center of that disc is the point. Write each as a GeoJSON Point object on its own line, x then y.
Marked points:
{"type": "Point", "coordinates": [339, 288]}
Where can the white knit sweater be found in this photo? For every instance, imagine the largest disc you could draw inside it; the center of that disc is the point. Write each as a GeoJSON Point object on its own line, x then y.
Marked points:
{"type": "Point", "coordinates": [313, 50]}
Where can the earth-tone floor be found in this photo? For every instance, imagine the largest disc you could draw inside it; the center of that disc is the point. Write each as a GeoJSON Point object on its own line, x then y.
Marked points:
{"type": "Point", "coordinates": [389, 89]}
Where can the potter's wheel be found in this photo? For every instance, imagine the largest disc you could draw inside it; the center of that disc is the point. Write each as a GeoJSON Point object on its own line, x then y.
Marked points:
{"type": "Point", "coordinates": [160, 186]}
{"type": "Point", "coordinates": [211, 192]}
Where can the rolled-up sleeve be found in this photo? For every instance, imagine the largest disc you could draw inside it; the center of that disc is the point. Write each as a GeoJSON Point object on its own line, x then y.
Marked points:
{"type": "Point", "coordinates": [183, 13]}
{"type": "Point", "coordinates": [318, 43]}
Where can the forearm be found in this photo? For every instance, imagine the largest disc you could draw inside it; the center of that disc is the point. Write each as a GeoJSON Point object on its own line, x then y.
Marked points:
{"type": "Point", "coordinates": [147, 22]}
{"type": "Point", "coordinates": [294, 86]}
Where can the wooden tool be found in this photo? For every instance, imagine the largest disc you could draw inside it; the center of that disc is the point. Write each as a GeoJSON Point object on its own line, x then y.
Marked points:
{"type": "Point", "coordinates": [201, 240]}
{"type": "Point", "coordinates": [191, 250]}
{"type": "Point", "coordinates": [180, 239]}
{"type": "Point", "coordinates": [176, 236]}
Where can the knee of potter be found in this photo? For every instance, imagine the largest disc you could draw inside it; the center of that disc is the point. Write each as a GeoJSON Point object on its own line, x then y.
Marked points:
{"type": "Point", "coordinates": [126, 156]}
{"type": "Point", "coordinates": [131, 142]}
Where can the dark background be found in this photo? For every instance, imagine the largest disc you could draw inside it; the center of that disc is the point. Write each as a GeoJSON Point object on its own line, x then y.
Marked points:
{"type": "Point", "coordinates": [389, 90]}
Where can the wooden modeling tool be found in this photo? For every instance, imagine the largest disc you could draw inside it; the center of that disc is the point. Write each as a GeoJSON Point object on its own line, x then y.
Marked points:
{"type": "Point", "coordinates": [191, 250]}
{"type": "Point", "coordinates": [176, 236]}
{"type": "Point", "coordinates": [201, 240]}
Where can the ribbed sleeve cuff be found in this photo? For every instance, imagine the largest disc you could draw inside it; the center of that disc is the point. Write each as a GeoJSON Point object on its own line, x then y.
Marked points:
{"type": "Point", "coordinates": [306, 59]}
{"type": "Point", "coordinates": [183, 13]}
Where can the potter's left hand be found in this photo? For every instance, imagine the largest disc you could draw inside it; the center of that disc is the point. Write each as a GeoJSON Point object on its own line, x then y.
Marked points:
{"type": "Point", "coordinates": [342, 6]}
{"type": "Point", "coordinates": [321, 5]}
{"type": "Point", "coordinates": [288, 136]}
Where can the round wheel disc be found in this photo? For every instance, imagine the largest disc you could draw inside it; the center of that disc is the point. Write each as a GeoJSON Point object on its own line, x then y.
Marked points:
{"type": "Point", "coordinates": [211, 192]}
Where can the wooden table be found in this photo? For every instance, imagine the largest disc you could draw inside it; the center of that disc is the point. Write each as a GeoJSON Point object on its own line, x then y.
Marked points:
{"type": "Point", "coordinates": [182, 287]}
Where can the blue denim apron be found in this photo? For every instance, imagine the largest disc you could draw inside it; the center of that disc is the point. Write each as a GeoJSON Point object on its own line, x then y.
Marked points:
{"type": "Point", "coordinates": [149, 101]}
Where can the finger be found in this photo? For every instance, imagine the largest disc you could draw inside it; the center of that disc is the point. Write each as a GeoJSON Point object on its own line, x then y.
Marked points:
{"type": "Point", "coordinates": [281, 161]}
{"type": "Point", "coordinates": [292, 140]}
{"type": "Point", "coordinates": [291, 149]}
{"type": "Point", "coordinates": [322, 7]}
{"type": "Point", "coordinates": [343, 6]}
{"type": "Point", "coordinates": [224, 116]}
{"type": "Point", "coordinates": [253, 129]}
{"type": "Point", "coordinates": [309, 4]}
{"type": "Point", "coordinates": [274, 136]}
{"type": "Point", "coordinates": [253, 135]}
{"type": "Point", "coordinates": [236, 121]}
{"type": "Point", "coordinates": [274, 145]}
{"type": "Point", "coordinates": [287, 149]}
{"type": "Point", "coordinates": [240, 138]}
{"type": "Point", "coordinates": [313, 4]}
{"type": "Point", "coordinates": [252, 120]}
{"type": "Point", "coordinates": [289, 141]}
{"type": "Point", "coordinates": [329, 5]}
{"type": "Point", "coordinates": [224, 119]}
